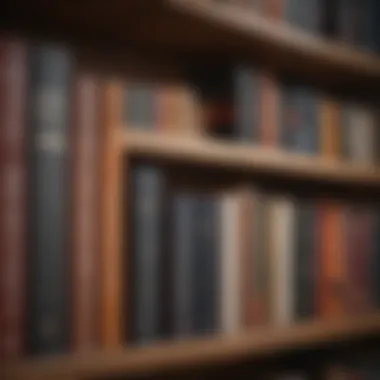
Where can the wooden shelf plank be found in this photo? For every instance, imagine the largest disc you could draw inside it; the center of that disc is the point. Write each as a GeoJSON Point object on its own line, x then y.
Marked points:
{"type": "Point", "coordinates": [284, 44]}
{"type": "Point", "coordinates": [165, 357]}
{"type": "Point", "coordinates": [211, 153]}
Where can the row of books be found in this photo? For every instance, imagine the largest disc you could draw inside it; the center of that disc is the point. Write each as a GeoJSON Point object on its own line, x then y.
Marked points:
{"type": "Point", "coordinates": [349, 21]}
{"type": "Point", "coordinates": [247, 105]}
{"type": "Point", "coordinates": [245, 259]}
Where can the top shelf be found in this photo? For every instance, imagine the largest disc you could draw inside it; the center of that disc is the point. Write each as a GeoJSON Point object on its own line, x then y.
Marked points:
{"type": "Point", "coordinates": [190, 30]}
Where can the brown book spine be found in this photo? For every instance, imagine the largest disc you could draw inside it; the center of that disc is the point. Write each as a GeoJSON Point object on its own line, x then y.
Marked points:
{"type": "Point", "coordinates": [274, 9]}
{"type": "Point", "coordinates": [255, 287]}
{"type": "Point", "coordinates": [113, 317]}
{"type": "Point", "coordinates": [12, 196]}
{"type": "Point", "coordinates": [269, 106]}
{"type": "Point", "coordinates": [359, 236]}
{"type": "Point", "coordinates": [85, 215]}
{"type": "Point", "coordinates": [330, 128]}
{"type": "Point", "coordinates": [332, 266]}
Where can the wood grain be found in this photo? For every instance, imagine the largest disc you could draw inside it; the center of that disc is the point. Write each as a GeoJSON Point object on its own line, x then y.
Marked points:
{"type": "Point", "coordinates": [268, 161]}
{"type": "Point", "coordinates": [258, 344]}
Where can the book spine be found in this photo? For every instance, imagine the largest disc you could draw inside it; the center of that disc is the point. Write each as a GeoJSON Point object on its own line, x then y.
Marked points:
{"type": "Point", "coordinates": [205, 268]}
{"type": "Point", "coordinates": [375, 258]}
{"type": "Point", "coordinates": [183, 240]}
{"type": "Point", "coordinates": [12, 197]}
{"type": "Point", "coordinates": [358, 259]}
{"type": "Point", "coordinates": [299, 130]}
{"type": "Point", "coordinates": [282, 238]}
{"type": "Point", "coordinates": [269, 110]}
{"type": "Point", "coordinates": [274, 9]}
{"type": "Point", "coordinates": [140, 106]}
{"type": "Point", "coordinates": [85, 211]}
{"type": "Point", "coordinates": [230, 263]}
{"type": "Point", "coordinates": [305, 261]}
{"type": "Point", "coordinates": [330, 129]}
{"type": "Point", "coordinates": [331, 260]}
{"type": "Point", "coordinates": [146, 222]}
{"type": "Point", "coordinates": [49, 117]}
{"type": "Point", "coordinates": [347, 24]}
{"type": "Point", "coordinates": [247, 104]}
{"type": "Point", "coordinates": [304, 14]}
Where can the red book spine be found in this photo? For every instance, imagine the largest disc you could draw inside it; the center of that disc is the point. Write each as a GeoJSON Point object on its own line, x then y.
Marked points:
{"type": "Point", "coordinates": [85, 215]}
{"type": "Point", "coordinates": [12, 196]}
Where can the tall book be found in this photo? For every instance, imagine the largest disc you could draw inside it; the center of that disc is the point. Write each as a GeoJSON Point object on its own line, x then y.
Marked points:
{"type": "Point", "coordinates": [85, 211]}
{"type": "Point", "coordinates": [269, 110]}
{"type": "Point", "coordinates": [140, 105]}
{"type": "Point", "coordinates": [255, 261]}
{"type": "Point", "coordinates": [299, 122]}
{"type": "Point", "coordinates": [281, 250]}
{"type": "Point", "coordinates": [359, 245]}
{"type": "Point", "coordinates": [349, 15]}
{"type": "Point", "coordinates": [332, 252]}
{"type": "Point", "coordinates": [50, 68]}
{"type": "Point", "coordinates": [330, 128]}
{"type": "Point", "coordinates": [13, 62]}
{"type": "Point", "coordinates": [305, 260]}
{"type": "Point", "coordinates": [196, 275]}
{"type": "Point", "coordinates": [231, 263]}
{"type": "Point", "coordinates": [247, 104]}
{"type": "Point", "coordinates": [146, 223]}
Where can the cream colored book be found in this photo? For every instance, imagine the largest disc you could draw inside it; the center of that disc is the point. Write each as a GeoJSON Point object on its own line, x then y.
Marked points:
{"type": "Point", "coordinates": [281, 250]}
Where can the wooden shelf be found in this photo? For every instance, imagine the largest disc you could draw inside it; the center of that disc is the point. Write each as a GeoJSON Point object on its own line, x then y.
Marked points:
{"type": "Point", "coordinates": [258, 344]}
{"type": "Point", "coordinates": [211, 153]}
{"type": "Point", "coordinates": [284, 45]}
{"type": "Point", "coordinates": [190, 30]}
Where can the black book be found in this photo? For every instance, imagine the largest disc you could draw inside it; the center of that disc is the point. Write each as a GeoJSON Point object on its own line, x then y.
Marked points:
{"type": "Point", "coordinates": [247, 104]}
{"type": "Point", "coordinates": [196, 265]}
{"type": "Point", "coordinates": [50, 68]}
{"type": "Point", "coordinates": [146, 232]}
{"type": "Point", "coordinates": [305, 261]}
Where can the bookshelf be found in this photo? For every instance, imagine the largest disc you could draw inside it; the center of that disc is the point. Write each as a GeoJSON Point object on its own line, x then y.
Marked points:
{"type": "Point", "coordinates": [207, 152]}
{"type": "Point", "coordinates": [188, 31]}
{"type": "Point", "coordinates": [165, 357]}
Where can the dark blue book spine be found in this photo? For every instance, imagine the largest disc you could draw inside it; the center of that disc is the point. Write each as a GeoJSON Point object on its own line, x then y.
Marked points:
{"type": "Point", "coordinates": [140, 106]}
{"type": "Point", "coordinates": [205, 268]}
{"type": "Point", "coordinates": [184, 244]}
{"type": "Point", "coordinates": [247, 104]}
{"type": "Point", "coordinates": [49, 122]}
{"type": "Point", "coordinates": [305, 261]}
{"type": "Point", "coordinates": [146, 227]}
{"type": "Point", "coordinates": [304, 14]}
{"type": "Point", "coordinates": [299, 127]}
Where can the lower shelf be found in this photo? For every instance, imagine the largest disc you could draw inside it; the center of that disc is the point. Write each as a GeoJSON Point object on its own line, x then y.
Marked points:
{"type": "Point", "coordinates": [259, 344]}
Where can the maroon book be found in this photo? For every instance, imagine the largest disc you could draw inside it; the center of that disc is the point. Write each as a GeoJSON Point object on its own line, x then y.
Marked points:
{"type": "Point", "coordinates": [359, 236]}
{"type": "Point", "coordinates": [85, 211]}
{"type": "Point", "coordinates": [12, 196]}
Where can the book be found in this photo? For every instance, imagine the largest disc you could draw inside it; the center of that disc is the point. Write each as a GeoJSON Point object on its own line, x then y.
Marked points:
{"type": "Point", "coordinates": [140, 105]}
{"type": "Point", "coordinates": [304, 14]}
{"type": "Point", "coordinates": [13, 196]}
{"type": "Point", "coordinates": [374, 263]}
{"type": "Point", "coordinates": [85, 140]}
{"type": "Point", "coordinates": [231, 262]}
{"type": "Point", "coordinates": [330, 127]}
{"type": "Point", "coordinates": [359, 139]}
{"type": "Point", "coordinates": [359, 244]}
{"type": "Point", "coordinates": [299, 121]}
{"type": "Point", "coordinates": [305, 260]}
{"type": "Point", "coordinates": [247, 104]}
{"type": "Point", "coordinates": [255, 260]}
{"type": "Point", "coordinates": [269, 110]}
{"type": "Point", "coordinates": [49, 111]}
{"type": "Point", "coordinates": [331, 260]}
{"type": "Point", "coordinates": [348, 21]}
{"type": "Point", "coordinates": [281, 251]}
{"type": "Point", "coordinates": [146, 217]}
